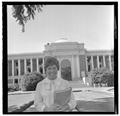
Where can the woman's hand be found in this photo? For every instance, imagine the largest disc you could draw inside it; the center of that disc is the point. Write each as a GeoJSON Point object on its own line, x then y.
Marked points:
{"type": "Point", "coordinates": [53, 107]}
{"type": "Point", "coordinates": [65, 108]}
{"type": "Point", "coordinates": [56, 107]}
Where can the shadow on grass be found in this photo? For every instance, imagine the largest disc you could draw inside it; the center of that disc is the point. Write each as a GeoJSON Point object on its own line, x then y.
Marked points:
{"type": "Point", "coordinates": [14, 108]}
{"type": "Point", "coordinates": [99, 105]}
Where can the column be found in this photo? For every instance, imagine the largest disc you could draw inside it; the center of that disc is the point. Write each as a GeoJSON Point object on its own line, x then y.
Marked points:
{"type": "Point", "coordinates": [25, 66]}
{"type": "Point", "coordinates": [31, 65]}
{"type": "Point", "coordinates": [86, 64]}
{"type": "Point", "coordinates": [98, 65]}
{"type": "Point", "coordinates": [43, 66]}
{"type": "Point", "coordinates": [78, 67]}
{"type": "Point", "coordinates": [92, 62]}
{"type": "Point", "coordinates": [110, 62]}
{"type": "Point", "coordinates": [73, 73]}
{"type": "Point", "coordinates": [19, 67]}
{"type": "Point", "coordinates": [19, 82]}
{"type": "Point", "coordinates": [59, 72]}
{"type": "Point", "coordinates": [12, 67]}
{"type": "Point", "coordinates": [37, 65]}
{"type": "Point", "coordinates": [104, 61]}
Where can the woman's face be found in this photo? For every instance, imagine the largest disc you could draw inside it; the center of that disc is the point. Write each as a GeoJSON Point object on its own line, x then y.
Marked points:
{"type": "Point", "coordinates": [51, 72]}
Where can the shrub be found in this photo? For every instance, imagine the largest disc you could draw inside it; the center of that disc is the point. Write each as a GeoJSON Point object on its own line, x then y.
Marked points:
{"type": "Point", "coordinates": [13, 88]}
{"type": "Point", "coordinates": [30, 80]}
{"type": "Point", "coordinates": [108, 78]}
{"type": "Point", "coordinates": [92, 74]}
{"type": "Point", "coordinates": [102, 75]}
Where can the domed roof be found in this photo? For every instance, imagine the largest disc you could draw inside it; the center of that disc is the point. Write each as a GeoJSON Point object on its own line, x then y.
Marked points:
{"type": "Point", "coordinates": [62, 40]}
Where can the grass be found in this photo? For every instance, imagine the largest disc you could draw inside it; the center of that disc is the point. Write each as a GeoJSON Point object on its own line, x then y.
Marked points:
{"type": "Point", "coordinates": [87, 101]}
{"type": "Point", "coordinates": [23, 108]}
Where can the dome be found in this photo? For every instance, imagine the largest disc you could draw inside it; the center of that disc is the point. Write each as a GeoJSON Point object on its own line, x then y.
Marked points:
{"type": "Point", "coordinates": [62, 40]}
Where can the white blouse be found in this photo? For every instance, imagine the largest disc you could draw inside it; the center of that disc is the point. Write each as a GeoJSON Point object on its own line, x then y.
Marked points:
{"type": "Point", "coordinates": [44, 93]}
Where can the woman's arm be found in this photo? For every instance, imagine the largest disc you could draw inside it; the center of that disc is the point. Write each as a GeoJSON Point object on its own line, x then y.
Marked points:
{"type": "Point", "coordinates": [72, 103]}
{"type": "Point", "coordinates": [38, 101]}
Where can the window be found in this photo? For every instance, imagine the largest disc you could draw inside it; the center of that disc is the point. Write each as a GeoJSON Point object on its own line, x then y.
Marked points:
{"type": "Point", "coordinates": [28, 62]}
{"type": "Point", "coordinates": [112, 62]}
{"type": "Point", "coordinates": [16, 72]}
{"type": "Point", "coordinates": [28, 69]}
{"type": "Point", "coordinates": [107, 61]}
{"type": "Point", "coordinates": [21, 67]}
{"type": "Point", "coordinates": [16, 63]}
{"type": "Point", "coordinates": [10, 68]}
{"type": "Point", "coordinates": [40, 65]}
{"type": "Point", "coordinates": [101, 61]}
{"type": "Point", "coordinates": [16, 81]}
{"type": "Point", "coordinates": [40, 61]}
{"type": "Point", "coordinates": [41, 70]}
{"type": "Point", "coordinates": [28, 66]}
{"type": "Point", "coordinates": [89, 68]}
{"type": "Point", "coordinates": [16, 67]}
{"type": "Point", "coordinates": [95, 61]}
{"type": "Point", "coordinates": [10, 81]}
{"type": "Point", "coordinates": [89, 63]}
{"type": "Point", "coordinates": [34, 64]}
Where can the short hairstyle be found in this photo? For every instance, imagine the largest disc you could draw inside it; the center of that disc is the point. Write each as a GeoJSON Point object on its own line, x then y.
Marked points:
{"type": "Point", "coordinates": [49, 61]}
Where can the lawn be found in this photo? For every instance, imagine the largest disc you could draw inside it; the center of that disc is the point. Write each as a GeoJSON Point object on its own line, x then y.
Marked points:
{"type": "Point", "coordinates": [88, 101]}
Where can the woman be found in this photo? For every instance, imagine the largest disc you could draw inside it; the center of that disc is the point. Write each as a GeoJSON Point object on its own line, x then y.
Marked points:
{"type": "Point", "coordinates": [44, 95]}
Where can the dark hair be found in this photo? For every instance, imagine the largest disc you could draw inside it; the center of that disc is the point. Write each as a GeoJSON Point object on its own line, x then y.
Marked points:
{"type": "Point", "coordinates": [49, 61]}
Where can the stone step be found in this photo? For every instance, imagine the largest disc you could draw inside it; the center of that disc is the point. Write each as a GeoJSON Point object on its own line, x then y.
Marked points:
{"type": "Point", "coordinates": [77, 84]}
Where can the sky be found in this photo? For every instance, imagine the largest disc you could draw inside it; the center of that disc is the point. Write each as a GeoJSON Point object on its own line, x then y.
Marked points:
{"type": "Point", "coordinates": [92, 25]}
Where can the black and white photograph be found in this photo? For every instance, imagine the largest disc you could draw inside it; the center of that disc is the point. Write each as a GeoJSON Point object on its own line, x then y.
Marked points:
{"type": "Point", "coordinates": [60, 57]}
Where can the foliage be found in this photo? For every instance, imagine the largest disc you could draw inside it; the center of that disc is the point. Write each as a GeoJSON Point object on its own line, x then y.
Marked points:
{"type": "Point", "coordinates": [108, 78]}
{"type": "Point", "coordinates": [102, 75]}
{"type": "Point", "coordinates": [66, 73]}
{"type": "Point", "coordinates": [23, 13]}
{"type": "Point", "coordinates": [30, 81]}
{"type": "Point", "coordinates": [13, 88]}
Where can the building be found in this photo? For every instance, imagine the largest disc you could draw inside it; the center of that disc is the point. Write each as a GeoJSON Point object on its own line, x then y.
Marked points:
{"type": "Point", "coordinates": [70, 55]}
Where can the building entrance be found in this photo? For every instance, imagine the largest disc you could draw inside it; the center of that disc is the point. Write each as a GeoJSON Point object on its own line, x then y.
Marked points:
{"type": "Point", "coordinates": [66, 70]}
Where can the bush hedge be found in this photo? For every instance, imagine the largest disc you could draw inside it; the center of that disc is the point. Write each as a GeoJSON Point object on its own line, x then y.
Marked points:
{"type": "Point", "coordinates": [13, 88]}
{"type": "Point", "coordinates": [30, 80]}
{"type": "Point", "coordinates": [102, 76]}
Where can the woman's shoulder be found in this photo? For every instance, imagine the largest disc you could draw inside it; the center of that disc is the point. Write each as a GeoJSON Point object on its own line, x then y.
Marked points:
{"type": "Point", "coordinates": [41, 82]}
{"type": "Point", "coordinates": [64, 81]}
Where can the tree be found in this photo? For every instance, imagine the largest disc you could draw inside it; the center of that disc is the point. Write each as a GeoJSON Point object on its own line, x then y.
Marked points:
{"type": "Point", "coordinates": [23, 13]}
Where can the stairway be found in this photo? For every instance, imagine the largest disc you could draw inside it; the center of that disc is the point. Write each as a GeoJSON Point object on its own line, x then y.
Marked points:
{"type": "Point", "coordinates": [77, 84]}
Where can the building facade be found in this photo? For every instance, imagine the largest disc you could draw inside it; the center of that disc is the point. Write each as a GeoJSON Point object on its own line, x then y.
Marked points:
{"type": "Point", "coordinates": [70, 55]}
